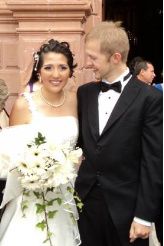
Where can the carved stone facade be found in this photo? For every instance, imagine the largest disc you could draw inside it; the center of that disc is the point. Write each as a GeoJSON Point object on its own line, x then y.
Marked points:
{"type": "Point", "coordinates": [26, 24]}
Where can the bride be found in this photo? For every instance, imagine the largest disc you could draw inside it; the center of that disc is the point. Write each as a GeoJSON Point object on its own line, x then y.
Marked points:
{"type": "Point", "coordinates": [53, 112]}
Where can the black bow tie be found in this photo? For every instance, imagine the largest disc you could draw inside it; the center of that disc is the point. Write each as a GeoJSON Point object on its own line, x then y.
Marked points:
{"type": "Point", "coordinates": [115, 86]}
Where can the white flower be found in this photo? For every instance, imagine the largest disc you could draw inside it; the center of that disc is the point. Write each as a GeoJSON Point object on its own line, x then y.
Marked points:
{"type": "Point", "coordinates": [75, 155]}
{"type": "Point", "coordinates": [44, 165]}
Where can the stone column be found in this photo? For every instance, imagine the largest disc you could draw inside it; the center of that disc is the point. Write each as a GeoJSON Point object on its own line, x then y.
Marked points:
{"type": "Point", "coordinates": [9, 68]}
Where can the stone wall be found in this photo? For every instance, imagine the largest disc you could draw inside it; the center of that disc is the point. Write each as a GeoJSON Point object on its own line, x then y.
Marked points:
{"type": "Point", "coordinates": [26, 24]}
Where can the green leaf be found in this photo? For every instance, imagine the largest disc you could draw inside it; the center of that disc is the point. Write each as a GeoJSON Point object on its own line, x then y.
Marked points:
{"type": "Point", "coordinates": [51, 214]}
{"type": "Point", "coordinates": [50, 233]}
{"type": "Point", "coordinates": [24, 203]}
{"type": "Point", "coordinates": [40, 139]}
{"type": "Point", "coordinates": [70, 189]}
{"type": "Point", "coordinates": [78, 201]}
{"type": "Point", "coordinates": [37, 194]}
{"type": "Point", "coordinates": [77, 198]}
{"type": "Point", "coordinates": [26, 193]}
{"type": "Point", "coordinates": [46, 240]}
{"type": "Point", "coordinates": [41, 225]}
{"type": "Point", "coordinates": [25, 206]}
{"type": "Point", "coordinates": [40, 208]}
{"type": "Point", "coordinates": [59, 201]}
{"type": "Point", "coordinates": [50, 203]}
{"type": "Point", "coordinates": [80, 206]}
{"type": "Point", "coordinates": [49, 189]}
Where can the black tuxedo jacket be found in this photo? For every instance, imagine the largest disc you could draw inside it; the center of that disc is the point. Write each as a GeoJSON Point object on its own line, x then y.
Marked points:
{"type": "Point", "coordinates": [126, 159]}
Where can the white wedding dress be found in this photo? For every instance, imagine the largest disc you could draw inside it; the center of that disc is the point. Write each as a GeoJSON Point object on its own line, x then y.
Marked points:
{"type": "Point", "coordinates": [16, 230]}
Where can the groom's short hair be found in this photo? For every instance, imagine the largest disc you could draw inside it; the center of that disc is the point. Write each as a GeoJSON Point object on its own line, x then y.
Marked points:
{"type": "Point", "coordinates": [113, 38]}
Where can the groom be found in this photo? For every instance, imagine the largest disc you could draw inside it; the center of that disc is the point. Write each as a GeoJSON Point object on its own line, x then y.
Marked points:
{"type": "Point", "coordinates": [120, 123]}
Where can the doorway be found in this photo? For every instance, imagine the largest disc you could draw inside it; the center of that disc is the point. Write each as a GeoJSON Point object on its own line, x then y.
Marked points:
{"type": "Point", "coordinates": [143, 21]}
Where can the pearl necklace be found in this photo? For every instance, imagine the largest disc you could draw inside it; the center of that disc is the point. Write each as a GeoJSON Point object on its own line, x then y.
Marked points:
{"type": "Point", "coordinates": [51, 104]}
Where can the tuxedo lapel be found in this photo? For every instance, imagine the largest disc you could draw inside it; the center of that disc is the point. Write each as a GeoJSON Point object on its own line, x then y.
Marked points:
{"type": "Point", "coordinates": [129, 93]}
{"type": "Point", "coordinates": [93, 117]}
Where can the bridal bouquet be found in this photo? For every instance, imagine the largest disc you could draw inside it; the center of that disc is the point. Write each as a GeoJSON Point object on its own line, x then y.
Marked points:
{"type": "Point", "coordinates": [43, 168]}
{"type": "Point", "coordinates": [45, 165]}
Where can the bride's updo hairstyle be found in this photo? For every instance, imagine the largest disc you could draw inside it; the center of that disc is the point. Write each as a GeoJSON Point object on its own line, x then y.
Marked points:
{"type": "Point", "coordinates": [51, 46]}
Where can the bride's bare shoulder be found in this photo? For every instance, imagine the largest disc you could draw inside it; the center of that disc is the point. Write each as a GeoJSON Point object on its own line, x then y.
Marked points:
{"type": "Point", "coordinates": [20, 102]}
{"type": "Point", "coordinates": [19, 112]}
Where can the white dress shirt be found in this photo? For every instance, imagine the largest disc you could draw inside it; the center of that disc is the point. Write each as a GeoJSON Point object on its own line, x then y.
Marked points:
{"type": "Point", "coordinates": [107, 100]}
{"type": "Point", "coordinates": [106, 103]}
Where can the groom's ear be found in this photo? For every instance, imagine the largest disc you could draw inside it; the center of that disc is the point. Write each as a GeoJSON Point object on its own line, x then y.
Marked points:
{"type": "Point", "coordinates": [116, 58]}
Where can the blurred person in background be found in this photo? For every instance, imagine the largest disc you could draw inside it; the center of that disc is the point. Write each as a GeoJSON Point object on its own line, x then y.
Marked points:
{"type": "Point", "coordinates": [144, 71]}
{"type": "Point", "coordinates": [132, 63]}
{"type": "Point", "coordinates": [4, 117]}
{"type": "Point", "coordinates": [4, 121]}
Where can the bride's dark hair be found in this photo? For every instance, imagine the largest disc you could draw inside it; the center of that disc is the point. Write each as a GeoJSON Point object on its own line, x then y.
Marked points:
{"type": "Point", "coordinates": [51, 46]}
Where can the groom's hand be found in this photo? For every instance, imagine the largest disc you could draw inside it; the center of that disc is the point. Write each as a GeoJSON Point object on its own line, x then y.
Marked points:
{"type": "Point", "coordinates": [138, 231]}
